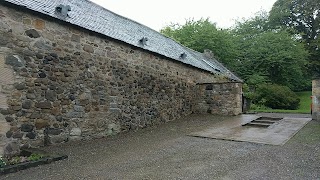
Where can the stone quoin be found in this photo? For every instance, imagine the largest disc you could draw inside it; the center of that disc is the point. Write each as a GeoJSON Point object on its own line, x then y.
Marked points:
{"type": "Point", "coordinates": [316, 99]}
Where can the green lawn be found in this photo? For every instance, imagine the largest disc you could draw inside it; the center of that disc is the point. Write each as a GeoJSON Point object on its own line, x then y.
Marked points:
{"type": "Point", "coordinates": [304, 107]}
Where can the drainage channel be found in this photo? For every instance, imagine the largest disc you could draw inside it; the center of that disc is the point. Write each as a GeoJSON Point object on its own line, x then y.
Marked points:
{"type": "Point", "coordinates": [263, 122]}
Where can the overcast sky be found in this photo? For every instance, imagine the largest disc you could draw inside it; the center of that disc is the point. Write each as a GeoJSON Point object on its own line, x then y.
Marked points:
{"type": "Point", "coordinates": [158, 13]}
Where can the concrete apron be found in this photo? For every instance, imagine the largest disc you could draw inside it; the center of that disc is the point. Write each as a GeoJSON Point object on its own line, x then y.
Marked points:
{"type": "Point", "coordinates": [277, 133]}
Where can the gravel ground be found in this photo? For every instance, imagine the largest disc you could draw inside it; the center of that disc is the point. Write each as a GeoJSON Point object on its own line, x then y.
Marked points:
{"type": "Point", "coordinates": [166, 152]}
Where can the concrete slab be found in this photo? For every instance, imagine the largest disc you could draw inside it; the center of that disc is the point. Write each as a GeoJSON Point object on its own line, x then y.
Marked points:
{"type": "Point", "coordinates": [165, 152]}
{"type": "Point", "coordinates": [276, 134]}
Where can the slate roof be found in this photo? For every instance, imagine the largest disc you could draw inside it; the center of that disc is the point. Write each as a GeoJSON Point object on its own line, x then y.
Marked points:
{"type": "Point", "coordinates": [91, 16]}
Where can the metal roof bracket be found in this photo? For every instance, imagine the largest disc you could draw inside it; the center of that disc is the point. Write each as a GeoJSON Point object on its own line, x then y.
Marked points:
{"type": "Point", "coordinates": [143, 41]}
{"type": "Point", "coordinates": [62, 10]}
{"type": "Point", "coordinates": [183, 55]}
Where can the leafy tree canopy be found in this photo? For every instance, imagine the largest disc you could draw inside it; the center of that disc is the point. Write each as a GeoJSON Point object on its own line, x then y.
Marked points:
{"type": "Point", "coordinates": [304, 17]}
{"type": "Point", "coordinates": [276, 56]}
{"type": "Point", "coordinates": [248, 28]}
{"type": "Point", "coordinates": [203, 34]}
{"type": "Point", "coordinates": [251, 49]}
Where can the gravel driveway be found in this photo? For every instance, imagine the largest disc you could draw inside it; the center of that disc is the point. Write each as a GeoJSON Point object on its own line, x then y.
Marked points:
{"type": "Point", "coordinates": [166, 152]}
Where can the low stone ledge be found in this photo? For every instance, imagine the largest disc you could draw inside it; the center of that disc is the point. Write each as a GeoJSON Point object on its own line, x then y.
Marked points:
{"type": "Point", "coordinates": [25, 165]}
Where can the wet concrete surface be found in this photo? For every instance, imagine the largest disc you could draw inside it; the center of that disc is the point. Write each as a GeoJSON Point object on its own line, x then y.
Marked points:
{"type": "Point", "coordinates": [166, 152]}
{"type": "Point", "coordinates": [255, 128]}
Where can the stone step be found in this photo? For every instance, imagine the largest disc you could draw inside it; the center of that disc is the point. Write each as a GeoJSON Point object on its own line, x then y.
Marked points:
{"type": "Point", "coordinates": [269, 118]}
{"type": "Point", "coordinates": [257, 124]}
{"type": "Point", "coordinates": [264, 121]}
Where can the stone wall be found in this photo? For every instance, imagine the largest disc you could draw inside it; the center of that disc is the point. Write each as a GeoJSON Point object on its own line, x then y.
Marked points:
{"type": "Point", "coordinates": [316, 99]}
{"type": "Point", "coordinates": [219, 98]}
{"type": "Point", "coordinates": [69, 83]}
{"type": "Point", "coordinates": [7, 80]}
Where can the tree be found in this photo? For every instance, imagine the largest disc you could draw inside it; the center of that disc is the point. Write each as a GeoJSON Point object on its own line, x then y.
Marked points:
{"type": "Point", "coordinates": [303, 16]}
{"type": "Point", "coordinates": [273, 54]}
{"type": "Point", "coordinates": [248, 28]}
{"type": "Point", "coordinates": [203, 34]}
{"type": "Point", "coordinates": [252, 50]}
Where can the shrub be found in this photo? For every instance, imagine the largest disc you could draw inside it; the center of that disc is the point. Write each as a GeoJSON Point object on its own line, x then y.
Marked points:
{"type": "Point", "coordinates": [258, 107]}
{"type": "Point", "coordinates": [276, 97]}
{"type": "Point", "coordinates": [35, 157]}
{"type": "Point", "coordinates": [2, 162]}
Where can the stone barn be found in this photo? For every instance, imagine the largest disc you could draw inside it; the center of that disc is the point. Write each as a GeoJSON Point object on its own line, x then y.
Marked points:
{"type": "Point", "coordinates": [72, 70]}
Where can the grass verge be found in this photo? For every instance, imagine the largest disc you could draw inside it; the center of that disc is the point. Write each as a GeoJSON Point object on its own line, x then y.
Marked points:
{"type": "Point", "coordinates": [304, 107]}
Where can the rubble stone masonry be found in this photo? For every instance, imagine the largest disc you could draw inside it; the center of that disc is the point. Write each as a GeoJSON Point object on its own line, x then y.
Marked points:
{"type": "Point", "coordinates": [60, 82]}
{"type": "Point", "coordinates": [219, 98]}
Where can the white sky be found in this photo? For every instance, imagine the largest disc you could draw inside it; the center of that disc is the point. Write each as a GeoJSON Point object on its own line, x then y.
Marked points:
{"type": "Point", "coordinates": [158, 13]}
